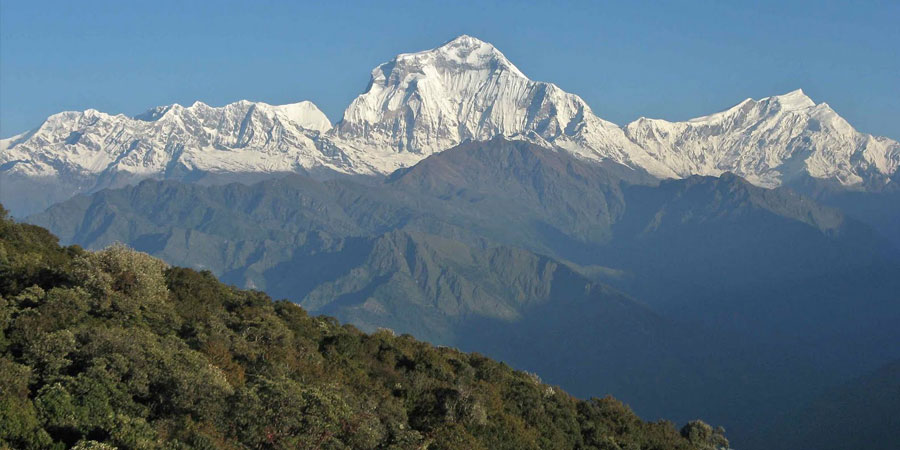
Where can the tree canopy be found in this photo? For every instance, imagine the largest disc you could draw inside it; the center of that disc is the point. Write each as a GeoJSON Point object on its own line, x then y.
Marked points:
{"type": "Point", "coordinates": [116, 349]}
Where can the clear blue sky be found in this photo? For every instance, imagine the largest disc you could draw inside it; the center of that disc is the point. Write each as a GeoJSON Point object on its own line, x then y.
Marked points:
{"type": "Point", "coordinates": [673, 60]}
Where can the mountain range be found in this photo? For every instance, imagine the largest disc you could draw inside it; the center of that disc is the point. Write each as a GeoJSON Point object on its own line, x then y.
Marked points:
{"type": "Point", "coordinates": [421, 103]}
{"type": "Point", "coordinates": [708, 295]}
{"type": "Point", "coordinates": [738, 266]}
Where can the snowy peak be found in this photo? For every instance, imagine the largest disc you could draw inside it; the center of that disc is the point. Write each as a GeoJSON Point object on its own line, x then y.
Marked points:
{"type": "Point", "coordinates": [421, 102]}
{"type": "Point", "coordinates": [304, 114]}
{"type": "Point", "coordinates": [793, 100]}
{"type": "Point", "coordinates": [460, 55]}
{"type": "Point", "coordinates": [425, 102]}
{"type": "Point", "coordinates": [83, 151]}
{"type": "Point", "coordinates": [469, 53]}
{"type": "Point", "coordinates": [770, 142]}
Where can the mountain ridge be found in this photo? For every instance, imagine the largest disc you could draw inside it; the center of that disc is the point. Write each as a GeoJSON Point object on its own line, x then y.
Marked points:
{"type": "Point", "coordinates": [445, 248]}
{"type": "Point", "coordinates": [425, 102]}
{"type": "Point", "coordinates": [791, 132]}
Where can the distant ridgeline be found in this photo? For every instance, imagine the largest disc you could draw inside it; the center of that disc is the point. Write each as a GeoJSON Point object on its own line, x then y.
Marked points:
{"type": "Point", "coordinates": [116, 349]}
{"type": "Point", "coordinates": [422, 103]}
{"type": "Point", "coordinates": [703, 297]}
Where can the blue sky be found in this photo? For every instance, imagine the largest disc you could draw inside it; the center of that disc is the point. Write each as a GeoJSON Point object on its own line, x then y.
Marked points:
{"type": "Point", "coordinates": [672, 60]}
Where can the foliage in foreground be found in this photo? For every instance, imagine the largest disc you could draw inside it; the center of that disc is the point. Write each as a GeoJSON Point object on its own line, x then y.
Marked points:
{"type": "Point", "coordinates": [115, 347]}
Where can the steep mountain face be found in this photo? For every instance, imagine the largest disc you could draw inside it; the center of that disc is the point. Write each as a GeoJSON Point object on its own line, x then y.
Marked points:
{"type": "Point", "coordinates": [422, 103]}
{"type": "Point", "coordinates": [774, 141]}
{"type": "Point", "coordinates": [517, 193]}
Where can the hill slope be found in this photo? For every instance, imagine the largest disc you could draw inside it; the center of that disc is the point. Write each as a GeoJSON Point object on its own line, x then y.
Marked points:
{"type": "Point", "coordinates": [118, 347]}
{"type": "Point", "coordinates": [456, 250]}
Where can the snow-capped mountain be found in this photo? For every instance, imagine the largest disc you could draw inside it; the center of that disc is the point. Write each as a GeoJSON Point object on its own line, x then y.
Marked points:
{"type": "Point", "coordinates": [418, 104]}
{"type": "Point", "coordinates": [421, 103]}
{"type": "Point", "coordinates": [74, 152]}
{"type": "Point", "coordinates": [232, 138]}
{"type": "Point", "coordinates": [771, 142]}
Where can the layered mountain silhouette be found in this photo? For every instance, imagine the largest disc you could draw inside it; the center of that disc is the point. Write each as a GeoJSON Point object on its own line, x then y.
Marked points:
{"type": "Point", "coordinates": [709, 295]}
{"type": "Point", "coordinates": [740, 266]}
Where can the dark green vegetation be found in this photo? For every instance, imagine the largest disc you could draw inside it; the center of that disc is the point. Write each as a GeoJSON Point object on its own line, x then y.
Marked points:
{"type": "Point", "coordinates": [117, 347]}
{"type": "Point", "coordinates": [710, 296]}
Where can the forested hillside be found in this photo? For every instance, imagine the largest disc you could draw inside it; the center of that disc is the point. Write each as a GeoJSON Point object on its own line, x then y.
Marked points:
{"type": "Point", "coordinates": [711, 297]}
{"type": "Point", "coordinates": [116, 347]}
